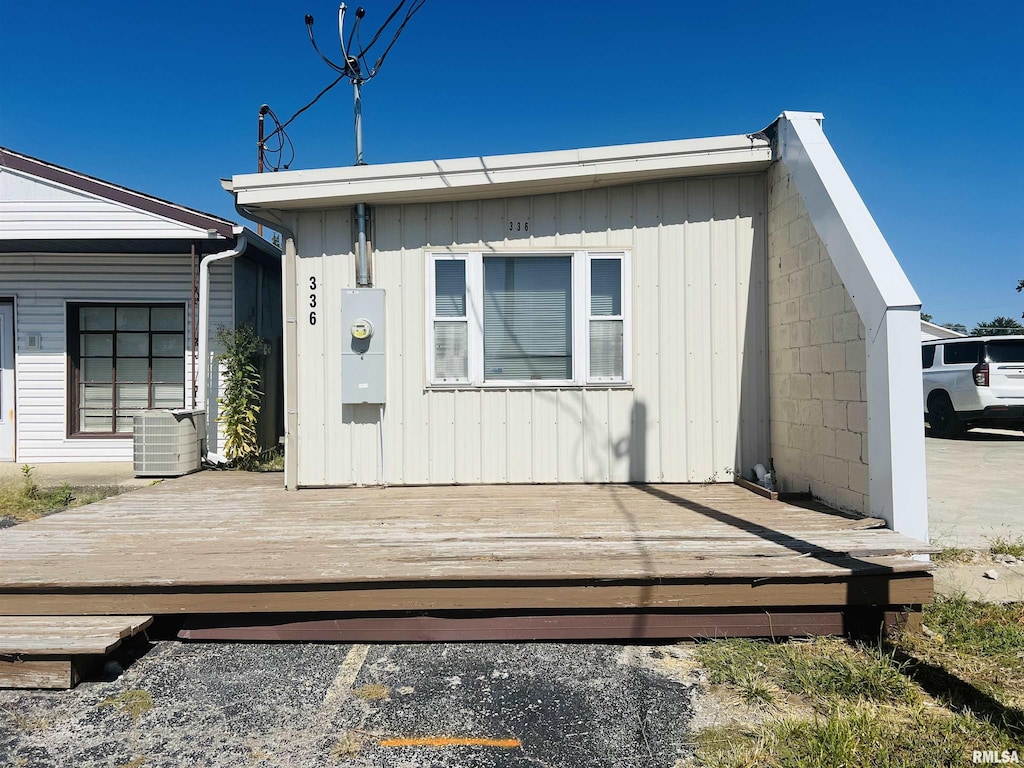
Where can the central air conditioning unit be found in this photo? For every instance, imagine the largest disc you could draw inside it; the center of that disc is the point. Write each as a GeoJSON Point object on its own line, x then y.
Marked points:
{"type": "Point", "coordinates": [169, 443]}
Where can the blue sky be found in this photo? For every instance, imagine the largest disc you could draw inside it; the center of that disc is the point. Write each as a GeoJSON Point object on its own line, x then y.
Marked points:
{"type": "Point", "coordinates": [924, 102]}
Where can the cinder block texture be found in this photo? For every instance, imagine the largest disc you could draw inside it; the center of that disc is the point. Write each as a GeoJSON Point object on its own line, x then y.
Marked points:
{"type": "Point", "coordinates": [816, 360]}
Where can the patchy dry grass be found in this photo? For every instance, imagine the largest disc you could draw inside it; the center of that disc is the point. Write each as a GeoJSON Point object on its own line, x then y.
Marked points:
{"type": "Point", "coordinates": [24, 500]}
{"type": "Point", "coordinates": [821, 669]}
{"type": "Point", "coordinates": [972, 657]}
{"type": "Point", "coordinates": [954, 556]}
{"type": "Point", "coordinates": [134, 703]}
{"type": "Point", "coordinates": [1003, 546]}
{"type": "Point", "coordinates": [852, 734]}
{"type": "Point", "coordinates": [918, 700]}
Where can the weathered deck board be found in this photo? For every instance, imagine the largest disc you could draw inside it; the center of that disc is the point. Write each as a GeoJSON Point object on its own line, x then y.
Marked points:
{"type": "Point", "coordinates": [50, 651]}
{"type": "Point", "coordinates": [230, 542]}
{"type": "Point", "coordinates": [67, 635]}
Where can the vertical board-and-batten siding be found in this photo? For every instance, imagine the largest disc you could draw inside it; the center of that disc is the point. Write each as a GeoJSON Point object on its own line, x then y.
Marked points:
{"type": "Point", "coordinates": [697, 408]}
{"type": "Point", "coordinates": [42, 285]}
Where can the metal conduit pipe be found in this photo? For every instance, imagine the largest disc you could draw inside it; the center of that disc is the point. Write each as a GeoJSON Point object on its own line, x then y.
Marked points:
{"type": "Point", "coordinates": [362, 265]}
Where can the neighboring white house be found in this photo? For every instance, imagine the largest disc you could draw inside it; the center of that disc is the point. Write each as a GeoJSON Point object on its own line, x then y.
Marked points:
{"type": "Point", "coordinates": [98, 290]}
{"type": "Point", "coordinates": [930, 331]}
{"type": "Point", "coordinates": [669, 312]}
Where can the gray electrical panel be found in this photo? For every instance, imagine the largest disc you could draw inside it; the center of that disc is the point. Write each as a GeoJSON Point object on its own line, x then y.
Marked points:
{"type": "Point", "coordinates": [363, 347]}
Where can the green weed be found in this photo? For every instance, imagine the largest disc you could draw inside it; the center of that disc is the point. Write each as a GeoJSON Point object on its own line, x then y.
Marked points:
{"type": "Point", "coordinates": [1001, 546]}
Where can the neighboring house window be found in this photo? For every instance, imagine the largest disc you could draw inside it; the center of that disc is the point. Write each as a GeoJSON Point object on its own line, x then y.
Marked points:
{"type": "Point", "coordinates": [528, 319]}
{"type": "Point", "coordinates": [124, 358]}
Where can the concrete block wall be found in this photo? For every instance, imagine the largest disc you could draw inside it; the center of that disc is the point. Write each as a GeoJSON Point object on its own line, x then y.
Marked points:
{"type": "Point", "coordinates": [816, 360]}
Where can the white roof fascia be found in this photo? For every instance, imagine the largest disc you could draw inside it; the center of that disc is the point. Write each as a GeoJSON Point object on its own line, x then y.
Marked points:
{"type": "Point", "coordinates": [862, 257]}
{"type": "Point", "coordinates": [502, 175]}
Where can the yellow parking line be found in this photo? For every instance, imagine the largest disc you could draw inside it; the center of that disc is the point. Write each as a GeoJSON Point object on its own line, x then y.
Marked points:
{"type": "Point", "coordinates": [451, 741]}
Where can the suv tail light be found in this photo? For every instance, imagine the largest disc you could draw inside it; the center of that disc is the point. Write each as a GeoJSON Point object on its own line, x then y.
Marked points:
{"type": "Point", "coordinates": [980, 374]}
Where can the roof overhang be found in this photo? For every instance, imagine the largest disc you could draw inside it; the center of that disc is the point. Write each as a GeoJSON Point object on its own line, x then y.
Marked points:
{"type": "Point", "coordinates": [475, 178]}
{"type": "Point", "coordinates": [213, 225]}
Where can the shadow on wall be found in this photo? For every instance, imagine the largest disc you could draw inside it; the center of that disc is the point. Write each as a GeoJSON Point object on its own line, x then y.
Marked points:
{"type": "Point", "coordinates": [650, 209]}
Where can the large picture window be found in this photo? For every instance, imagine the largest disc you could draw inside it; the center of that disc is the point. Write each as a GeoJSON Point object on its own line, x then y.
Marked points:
{"type": "Point", "coordinates": [124, 358]}
{"type": "Point", "coordinates": [528, 319]}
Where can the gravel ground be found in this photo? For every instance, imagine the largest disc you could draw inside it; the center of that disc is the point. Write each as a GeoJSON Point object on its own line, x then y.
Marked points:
{"type": "Point", "coordinates": [296, 705]}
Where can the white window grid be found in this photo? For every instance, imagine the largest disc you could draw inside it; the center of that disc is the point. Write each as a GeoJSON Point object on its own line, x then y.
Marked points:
{"type": "Point", "coordinates": [581, 317]}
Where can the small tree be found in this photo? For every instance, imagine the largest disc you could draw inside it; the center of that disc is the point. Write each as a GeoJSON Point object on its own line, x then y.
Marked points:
{"type": "Point", "coordinates": [997, 326]}
{"type": "Point", "coordinates": [240, 405]}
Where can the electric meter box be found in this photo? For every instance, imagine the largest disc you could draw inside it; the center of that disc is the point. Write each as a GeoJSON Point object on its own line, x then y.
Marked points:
{"type": "Point", "coordinates": [363, 377]}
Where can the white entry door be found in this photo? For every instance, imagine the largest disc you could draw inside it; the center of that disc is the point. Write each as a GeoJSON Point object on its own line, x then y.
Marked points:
{"type": "Point", "coordinates": [6, 382]}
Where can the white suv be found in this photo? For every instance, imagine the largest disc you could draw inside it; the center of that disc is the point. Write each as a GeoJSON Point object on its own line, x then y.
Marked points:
{"type": "Point", "coordinates": [977, 381]}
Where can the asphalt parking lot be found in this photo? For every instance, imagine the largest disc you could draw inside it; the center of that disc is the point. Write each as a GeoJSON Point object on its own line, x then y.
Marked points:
{"type": "Point", "coordinates": [439, 705]}
{"type": "Point", "coordinates": [290, 706]}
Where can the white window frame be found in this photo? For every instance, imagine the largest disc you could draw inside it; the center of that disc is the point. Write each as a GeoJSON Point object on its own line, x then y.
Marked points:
{"type": "Point", "coordinates": [581, 317]}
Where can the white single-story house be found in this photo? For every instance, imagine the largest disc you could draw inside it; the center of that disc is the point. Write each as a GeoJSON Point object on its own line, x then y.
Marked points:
{"type": "Point", "coordinates": [672, 312]}
{"type": "Point", "coordinates": [100, 295]}
{"type": "Point", "coordinates": [931, 331]}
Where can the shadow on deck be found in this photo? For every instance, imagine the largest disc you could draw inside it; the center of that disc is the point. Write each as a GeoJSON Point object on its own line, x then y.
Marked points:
{"type": "Point", "coordinates": [236, 553]}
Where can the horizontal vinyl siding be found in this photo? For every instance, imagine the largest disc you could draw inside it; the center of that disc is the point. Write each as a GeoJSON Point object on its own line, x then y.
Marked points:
{"type": "Point", "coordinates": [41, 286]}
{"type": "Point", "coordinates": [697, 408]}
{"type": "Point", "coordinates": [34, 208]}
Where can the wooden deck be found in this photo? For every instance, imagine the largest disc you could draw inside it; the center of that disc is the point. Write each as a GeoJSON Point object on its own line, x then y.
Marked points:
{"type": "Point", "coordinates": [232, 543]}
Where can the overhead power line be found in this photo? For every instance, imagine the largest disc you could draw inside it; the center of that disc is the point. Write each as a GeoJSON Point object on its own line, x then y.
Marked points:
{"type": "Point", "coordinates": [277, 144]}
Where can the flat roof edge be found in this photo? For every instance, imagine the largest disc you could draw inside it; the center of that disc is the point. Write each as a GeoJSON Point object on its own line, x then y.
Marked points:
{"type": "Point", "coordinates": [532, 173]}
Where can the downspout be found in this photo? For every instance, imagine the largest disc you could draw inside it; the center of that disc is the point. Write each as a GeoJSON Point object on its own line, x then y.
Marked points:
{"type": "Point", "coordinates": [289, 344]}
{"type": "Point", "coordinates": [195, 305]}
{"type": "Point", "coordinates": [204, 317]}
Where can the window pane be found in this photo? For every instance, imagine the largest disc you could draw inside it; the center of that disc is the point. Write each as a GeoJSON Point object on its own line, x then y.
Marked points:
{"type": "Point", "coordinates": [1005, 351]}
{"type": "Point", "coordinates": [927, 356]}
{"type": "Point", "coordinates": [606, 287]}
{"type": "Point", "coordinates": [126, 421]}
{"type": "Point", "coordinates": [132, 369]}
{"type": "Point", "coordinates": [606, 349]}
{"type": "Point", "coordinates": [966, 352]}
{"type": "Point", "coordinates": [96, 420]}
{"type": "Point", "coordinates": [168, 319]}
{"type": "Point", "coordinates": [169, 370]}
{"type": "Point", "coordinates": [450, 288]}
{"type": "Point", "coordinates": [135, 344]}
{"type": "Point", "coordinates": [97, 369]}
{"type": "Point", "coordinates": [168, 396]}
{"type": "Point", "coordinates": [451, 345]}
{"type": "Point", "coordinates": [133, 318]}
{"type": "Point", "coordinates": [96, 318]}
{"type": "Point", "coordinates": [168, 344]}
{"type": "Point", "coordinates": [93, 396]}
{"type": "Point", "coordinates": [528, 317]}
{"type": "Point", "coordinates": [97, 344]}
{"type": "Point", "coordinates": [132, 396]}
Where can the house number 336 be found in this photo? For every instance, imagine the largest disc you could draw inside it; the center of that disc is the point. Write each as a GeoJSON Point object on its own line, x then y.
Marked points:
{"type": "Point", "coordinates": [312, 301]}
{"type": "Point", "coordinates": [519, 226]}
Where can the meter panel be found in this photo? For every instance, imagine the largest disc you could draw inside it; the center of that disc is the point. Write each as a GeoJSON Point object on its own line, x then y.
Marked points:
{"type": "Point", "coordinates": [363, 374]}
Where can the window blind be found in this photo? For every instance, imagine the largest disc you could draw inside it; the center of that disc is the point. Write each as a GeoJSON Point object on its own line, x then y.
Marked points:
{"type": "Point", "coordinates": [527, 318]}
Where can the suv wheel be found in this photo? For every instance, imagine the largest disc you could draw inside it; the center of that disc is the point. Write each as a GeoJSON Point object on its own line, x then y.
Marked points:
{"type": "Point", "coordinates": [942, 417]}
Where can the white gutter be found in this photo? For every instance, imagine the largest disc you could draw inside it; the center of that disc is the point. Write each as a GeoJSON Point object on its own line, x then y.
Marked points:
{"type": "Point", "coordinates": [890, 310]}
{"type": "Point", "coordinates": [204, 322]}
